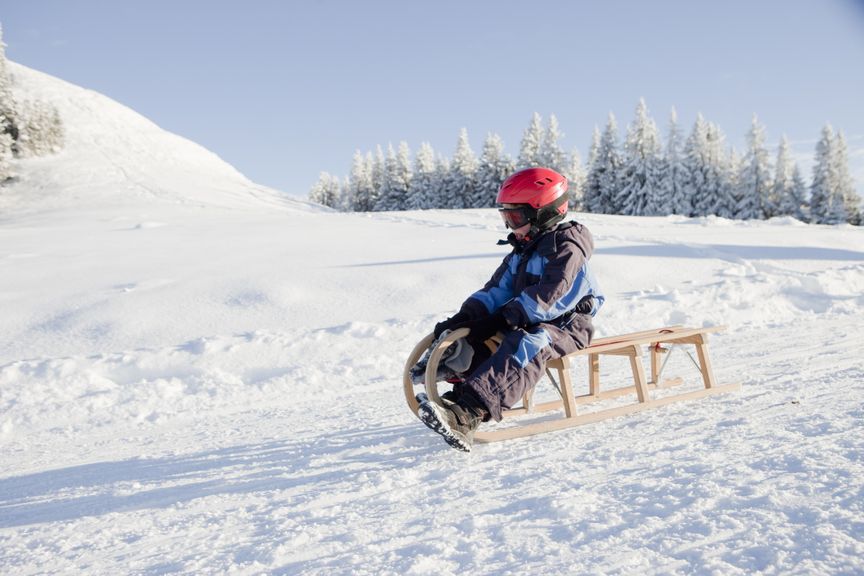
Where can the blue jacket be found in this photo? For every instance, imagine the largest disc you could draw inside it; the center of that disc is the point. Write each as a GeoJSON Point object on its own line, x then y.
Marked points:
{"type": "Point", "coordinates": [545, 280]}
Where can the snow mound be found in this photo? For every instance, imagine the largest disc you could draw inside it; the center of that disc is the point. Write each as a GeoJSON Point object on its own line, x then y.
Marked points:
{"type": "Point", "coordinates": [151, 387]}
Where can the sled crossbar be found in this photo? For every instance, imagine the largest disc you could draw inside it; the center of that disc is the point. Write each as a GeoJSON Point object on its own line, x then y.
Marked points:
{"type": "Point", "coordinates": [656, 342]}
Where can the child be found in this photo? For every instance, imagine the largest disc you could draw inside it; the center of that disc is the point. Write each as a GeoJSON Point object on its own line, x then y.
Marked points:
{"type": "Point", "coordinates": [541, 299]}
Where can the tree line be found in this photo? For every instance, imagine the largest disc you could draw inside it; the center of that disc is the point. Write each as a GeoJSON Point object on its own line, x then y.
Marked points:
{"type": "Point", "coordinates": [642, 176]}
{"type": "Point", "coordinates": [27, 127]}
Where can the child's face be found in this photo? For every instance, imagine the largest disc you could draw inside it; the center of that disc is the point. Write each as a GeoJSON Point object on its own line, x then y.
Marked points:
{"type": "Point", "coordinates": [522, 231]}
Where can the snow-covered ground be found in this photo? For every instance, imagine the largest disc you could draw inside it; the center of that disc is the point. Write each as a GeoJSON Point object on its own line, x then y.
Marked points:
{"type": "Point", "coordinates": [200, 375]}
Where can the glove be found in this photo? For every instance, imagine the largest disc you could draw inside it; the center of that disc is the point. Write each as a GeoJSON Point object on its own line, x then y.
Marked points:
{"type": "Point", "coordinates": [483, 328]}
{"type": "Point", "coordinates": [450, 323]}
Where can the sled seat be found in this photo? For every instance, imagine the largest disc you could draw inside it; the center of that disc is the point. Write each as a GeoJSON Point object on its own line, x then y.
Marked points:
{"type": "Point", "coordinates": [657, 342]}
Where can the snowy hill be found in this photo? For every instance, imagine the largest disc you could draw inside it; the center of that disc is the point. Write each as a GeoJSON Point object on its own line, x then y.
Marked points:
{"type": "Point", "coordinates": [115, 154]}
{"type": "Point", "coordinates": [198, 375]}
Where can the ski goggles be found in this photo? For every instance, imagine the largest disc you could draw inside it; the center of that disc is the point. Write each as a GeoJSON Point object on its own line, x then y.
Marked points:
{"type": "Point", "coordinates": [516, 216]}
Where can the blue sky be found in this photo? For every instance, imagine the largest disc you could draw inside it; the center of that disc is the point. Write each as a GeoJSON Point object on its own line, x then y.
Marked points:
{"type": "Point", "coordinates": [284, 90]}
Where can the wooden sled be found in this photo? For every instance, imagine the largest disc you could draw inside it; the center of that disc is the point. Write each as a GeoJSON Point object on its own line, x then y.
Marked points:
{"type": "Point", "coordinates": [657, 342]}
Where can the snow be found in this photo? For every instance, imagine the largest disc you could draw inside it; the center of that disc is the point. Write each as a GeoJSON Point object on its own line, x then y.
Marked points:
{"type": "Point", "coordinates": [201, 375]}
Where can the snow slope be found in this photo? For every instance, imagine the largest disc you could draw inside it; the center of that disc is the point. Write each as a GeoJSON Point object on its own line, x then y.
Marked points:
{"type": "Point", "coordinates": [199, 375]}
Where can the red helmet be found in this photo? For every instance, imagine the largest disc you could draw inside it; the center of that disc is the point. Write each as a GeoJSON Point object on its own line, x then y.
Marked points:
{"type": "Point", "coordinates": [535, 195]}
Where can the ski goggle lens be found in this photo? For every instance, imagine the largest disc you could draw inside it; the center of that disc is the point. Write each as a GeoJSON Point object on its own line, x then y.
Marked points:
{"type": "Point", "coordinates": [515, 217]}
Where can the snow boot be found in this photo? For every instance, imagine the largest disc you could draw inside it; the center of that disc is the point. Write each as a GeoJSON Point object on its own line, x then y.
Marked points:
{"type": "Point", "coordinates": [452, 396]}
{"type": "Point", "coordinates": [455, 423]}
{"type": "Point", "coordinates": [455, 360]}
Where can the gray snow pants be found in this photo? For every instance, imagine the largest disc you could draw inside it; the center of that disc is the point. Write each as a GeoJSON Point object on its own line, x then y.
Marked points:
{"type": "Point", "coordinates": [500, 378]}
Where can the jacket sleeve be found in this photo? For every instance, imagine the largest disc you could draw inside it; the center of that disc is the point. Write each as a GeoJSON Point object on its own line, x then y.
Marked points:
{"type": "Point", "coordinates": [565, 281]}
{"type": "Point", "coordinates": [497, 291]}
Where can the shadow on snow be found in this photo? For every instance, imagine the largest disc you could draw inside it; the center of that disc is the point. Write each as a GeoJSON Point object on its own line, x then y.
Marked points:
{"type": "Point", "coordinates": [303, 468]}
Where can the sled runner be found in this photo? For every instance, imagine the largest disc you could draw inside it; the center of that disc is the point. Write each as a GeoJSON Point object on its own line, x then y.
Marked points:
{"type": "Point", "coordinates": [658, 343]}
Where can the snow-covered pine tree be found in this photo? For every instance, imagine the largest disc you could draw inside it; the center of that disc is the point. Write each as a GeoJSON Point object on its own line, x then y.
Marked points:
{"type": "Point", "coordinates": [40, 130]}
{"type": "Point", "coordinates": [851, 199]}
{"type": "Point", "coordinates": [360, 187]}
{"type": "Point", "coordinates": [551, 155]}
{"type": "Point", "coordinates": [605, 172]}
{"type": "Point", "coordinates": [754, 183]}
{"type": "Point", "coordinates": [397, 179]}
{"type": "Point", "coordinates": [378, 173]}
{"type": "Point", "coordinates": [531, 144]}
{"type": "Point", "coordinates": [672, 171]}
{"type": "Point", "coordinates": [4, 72]}
{"type": "Point", "coordinates": [696, 170]}
{"type": "Point", "coordinates": [826, 201]}
{"type": "Point", "coordinates": [422, 193]}
{"type": "Point", "coordinates": [344, 201]}
{"type": "Point", "coordinates": [610, 181]}
{"type": "Point", "coordinates": [494, 167]}
{"type": "Point", "coordinates": [346, 196]}
{"type": "Point", "coordinates": [734, 164]}
{"type": "Point", "coordinates": [316, 193]}
{"type": "Point", "coordinates": [576, 180]}
{"type": "Point", "coordinates": [326, 190]}
{"type": "Point", "coordinates": [5, 151]}
{"type": "Point", "coordinates": [722, 180]}
{"type": "Point", "coordinates": [442, 174]}
{"type": "Point", "coordinates": [404, 173]}
{"type": "Point", "coordinates": [591, 190]}
{"type": "Point", "coordinates": [780, 201]}
{"type": "Point", "coordinates": [336, 192]}
{"type": "Point", "coordinates": [692, 168]}
{"type": "Point", "coordinates": [639, 191]}
{"type": "Point", "coordinates": [386, 197]}
{"type": "Point", "coordinates": [7, 101]}
{"type": "Point", "coordinates": [799, 195]}
{"type": "Point", "coordinates": [460, 180]}
{"type": "Point", "coordinates": [57, 130]}
{"type": "Point", "coordinates": [706, 182]}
